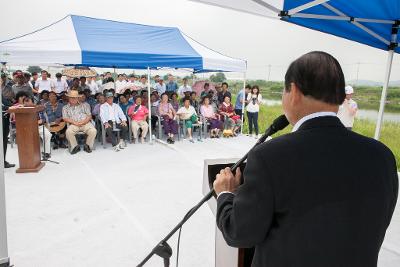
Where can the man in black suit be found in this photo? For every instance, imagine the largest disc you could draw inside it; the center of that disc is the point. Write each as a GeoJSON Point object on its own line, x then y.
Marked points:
{"type": "Point", "coordinates": [321, 196]}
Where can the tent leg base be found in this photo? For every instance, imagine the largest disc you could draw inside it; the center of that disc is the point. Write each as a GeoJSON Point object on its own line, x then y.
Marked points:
{"type": "Point", "coordinates": [5, 262]}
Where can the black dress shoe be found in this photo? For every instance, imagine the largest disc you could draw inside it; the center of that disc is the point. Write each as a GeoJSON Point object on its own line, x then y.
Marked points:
{"type": "Point", "coordinates": [75, 150]}
{"type": "Point", "coordinates": [87, 149]}
{"type": "Point", "coordinates": [8, 165]}
{"type": "Point", "coordinates": [55, 147]}
{"type": "Point", "coordinates": [63, 145]}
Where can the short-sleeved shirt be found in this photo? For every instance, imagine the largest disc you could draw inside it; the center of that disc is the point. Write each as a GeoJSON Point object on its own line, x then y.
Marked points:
{"type": "Point", "coordinates": [171, 86]}
{"type": "Point", "coordinates": [53, 113]}
{"type": "Point", "coordinates": [138, 113]}
{"type": "Point", "coordinates": [76, 113]}
{"type": "Point", "coordinates": [239, 98]}
{"type": "Point", "coordinates": [42, 85]}
{"type": "Point", "coordinates": [160, 88]}
{"type": "Point", "coordinates": [60, 86]}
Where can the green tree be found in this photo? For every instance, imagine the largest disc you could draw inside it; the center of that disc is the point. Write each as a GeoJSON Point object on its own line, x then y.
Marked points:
{"type": "Point", "coordinates": [218, 77]}
{"type": "Point", "coordinates": [32, 69]}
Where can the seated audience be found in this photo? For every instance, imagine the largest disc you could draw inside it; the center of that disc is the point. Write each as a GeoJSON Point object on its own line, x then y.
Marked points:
{"type": "Point", "coordinates": [184, 88]}
{"type": "Point", "coordinates": [83, 100]}
{"type": "Point", "coordinates": [93, 85]}
{"type": "Point", "coordinates": [207, 111]}
{"type": "Point", "coordinates": [193, 101]}
{"type": "Point", "coordinates": [78, 116]}
{"type": "Point", "coordinates": [96, 109]}
{"type": "Point", "coordinates": [75, 84]}
{"type": "Point", "coordinates": [189, 115]}
{"type": "Point", "coordinates": [206, 90]}
{"type": "Point", "coordinates": [53, 119]}
{"type": "Point", "coordinates": [174, 101]}
{"type": "Point", "coordinates": [167, 112]}
{"type": "Point", "coordinates": [160, 86]}
{"type": "Point", "coordinates": [231, 120]}
{"type": "Point", "coordinates": [89, 98]}
{"type": "Point", "coordinates": [44, 97]}
{"type": "Point", "coordinates": [60, 85]}
{"type": "Point", "coordinates": [82, 85]}
{"type": "Point", "coordinates": [111, 116]}
{"type": "Point", "coordinates": [138, 114]}
{"type": "Point", "coordinates": [124, 103]}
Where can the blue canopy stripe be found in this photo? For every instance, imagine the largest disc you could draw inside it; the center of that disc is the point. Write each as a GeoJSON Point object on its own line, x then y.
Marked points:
{"type": "Point", "coordinates": [374, 23]}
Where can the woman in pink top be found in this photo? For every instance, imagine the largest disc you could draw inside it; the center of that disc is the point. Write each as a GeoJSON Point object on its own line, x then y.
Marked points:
{"type": "Point", "coordinates": [207, 111]}
{"type": "Point", "coordinates": [167, 112]}
{"type": "Point", "coordinates": [138, 115]}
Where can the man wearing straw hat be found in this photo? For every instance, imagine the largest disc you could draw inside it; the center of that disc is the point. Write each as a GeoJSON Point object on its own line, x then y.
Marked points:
{"type": "Point", "coordinates": [78, 116]}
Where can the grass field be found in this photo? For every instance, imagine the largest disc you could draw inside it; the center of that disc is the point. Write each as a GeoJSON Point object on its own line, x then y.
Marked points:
{"type": "Point", "coordinates": [367, 97]}
{"type": "Point", "coordinates": [390, 134]}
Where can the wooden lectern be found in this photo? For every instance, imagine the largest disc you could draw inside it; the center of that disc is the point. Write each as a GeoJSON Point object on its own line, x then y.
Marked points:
{"type": "Point", "coordinates": [26, 119]}
{"type": "Point", "coordinates": [225, 256]}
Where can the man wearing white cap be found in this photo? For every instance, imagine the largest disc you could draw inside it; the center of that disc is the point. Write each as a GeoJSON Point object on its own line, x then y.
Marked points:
{"type": "Point", "coordinates": [347, 111]}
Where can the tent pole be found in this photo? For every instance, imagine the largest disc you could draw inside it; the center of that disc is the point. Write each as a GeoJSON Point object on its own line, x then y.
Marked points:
{"type": "Point", "coordinates": [149, 105]}
{"type": "Point", "coordinates": [4, 260]}
{"type": "Point", "coordinates": [384, 94]}
{"type": "Point", "coordinates": [244, 99]}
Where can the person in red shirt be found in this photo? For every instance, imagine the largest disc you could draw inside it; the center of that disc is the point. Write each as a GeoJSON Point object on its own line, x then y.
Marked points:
{"type": "Point", "coordinates": [231, 120]}
{"type": "Point", "coordinates": [138, 114]}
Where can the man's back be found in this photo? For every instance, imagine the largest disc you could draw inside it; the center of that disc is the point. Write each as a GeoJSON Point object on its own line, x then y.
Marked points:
{"type": "Point", "coordinates": [325, 198]}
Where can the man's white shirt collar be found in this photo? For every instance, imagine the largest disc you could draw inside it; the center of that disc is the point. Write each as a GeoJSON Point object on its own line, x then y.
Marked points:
{"type": "Point", "coordinates": [312, 116]}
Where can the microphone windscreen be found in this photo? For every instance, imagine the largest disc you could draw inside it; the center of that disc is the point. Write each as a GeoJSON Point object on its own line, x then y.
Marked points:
{"type": "Point", "coordinates": [280, 123]}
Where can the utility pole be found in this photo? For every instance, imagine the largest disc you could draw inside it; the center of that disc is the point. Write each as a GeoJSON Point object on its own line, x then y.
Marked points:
{"type": "Point", "coordinates": [269, 72]}
{"type": "Point", "coordinates": [358, 70]}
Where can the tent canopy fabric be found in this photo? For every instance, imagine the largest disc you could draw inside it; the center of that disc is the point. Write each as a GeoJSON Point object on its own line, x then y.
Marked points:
{"type": "Point", "coordinates": [367, 22]}
{"type": "Point", "coordinates": [84, 41]}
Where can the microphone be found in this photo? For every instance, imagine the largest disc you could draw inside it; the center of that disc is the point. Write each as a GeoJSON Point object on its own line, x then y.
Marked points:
{"type": "Point", "coordinates": [278, 124]}
{"type": "Point", "coordinates": [162, 249]}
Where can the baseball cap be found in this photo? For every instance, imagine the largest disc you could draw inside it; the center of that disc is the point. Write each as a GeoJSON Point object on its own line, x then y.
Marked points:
{"type": "Point", "coordinates": [109, 94]}
{"type": "Point", "coordinates": [349, 90]}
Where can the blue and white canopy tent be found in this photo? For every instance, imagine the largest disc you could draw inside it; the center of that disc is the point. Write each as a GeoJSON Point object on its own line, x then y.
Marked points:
{"type": "Point", "coordinates": [83, 41]}
{"type": "Point", "coordinates": [373, 22]}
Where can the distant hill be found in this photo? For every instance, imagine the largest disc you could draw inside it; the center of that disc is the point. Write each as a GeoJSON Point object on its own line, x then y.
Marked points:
{"type": "Point", "coordinates": [372, 83]}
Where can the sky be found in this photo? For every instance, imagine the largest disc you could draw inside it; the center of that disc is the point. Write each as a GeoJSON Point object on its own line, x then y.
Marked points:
{"type": "Point", "coordinates": [268, 45]}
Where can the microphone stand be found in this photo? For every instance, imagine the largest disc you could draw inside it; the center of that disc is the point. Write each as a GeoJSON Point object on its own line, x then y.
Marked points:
{"type": "Point", "coordinates": [162, 249]}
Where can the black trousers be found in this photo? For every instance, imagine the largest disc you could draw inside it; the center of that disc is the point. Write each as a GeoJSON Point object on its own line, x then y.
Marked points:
{"type": "Point", "coordinates": [6, 131]}
{"type": "Point", "coordinates": [123, 132]}
{"type": "Point", "coordinates": [239, 112]}
{"type": "Point", "coordinates": [154, 120]}
{"type": "Point", "coordinates": [253, 121]}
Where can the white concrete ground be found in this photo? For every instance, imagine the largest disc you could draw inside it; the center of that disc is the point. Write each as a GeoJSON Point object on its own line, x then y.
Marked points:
{"type": "Point", "coordinates": [110, 209]}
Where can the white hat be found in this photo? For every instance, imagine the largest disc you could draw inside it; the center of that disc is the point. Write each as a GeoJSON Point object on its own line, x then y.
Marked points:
{"type": "Point", "coordinates": [349, 90]}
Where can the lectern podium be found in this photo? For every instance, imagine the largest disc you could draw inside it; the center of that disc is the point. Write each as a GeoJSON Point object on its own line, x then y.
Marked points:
{"type": "Point", "coordinates": [225, 256]}
{"type": "Point", "coordinates": [26, 119]}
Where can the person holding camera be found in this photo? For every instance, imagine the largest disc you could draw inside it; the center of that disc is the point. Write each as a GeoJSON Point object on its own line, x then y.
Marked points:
{"type": "Point", "coordinates": [253, 107]}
